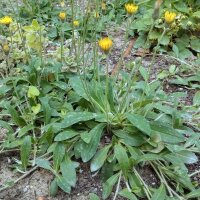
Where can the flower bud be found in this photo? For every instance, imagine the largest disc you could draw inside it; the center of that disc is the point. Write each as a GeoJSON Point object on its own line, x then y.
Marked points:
{"type": "Point", "coordinates": [62, 16]}
{"type": "Point", "coordinates": [105, 44]}
{"type": "Point", "coordinates": [6, 49]}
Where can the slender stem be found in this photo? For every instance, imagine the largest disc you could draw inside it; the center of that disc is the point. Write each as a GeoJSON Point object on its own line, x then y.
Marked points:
{"type": "Point", "coordinates": [107, 87]}
{"type": "Point", "coordinates": [129, 20]}
{"type": "Point", "coordinates": [162, 178]}
{"type": "Point", "coordinates": [62, 42]}
{"type": "Point", "coordinates": [118, 185]}
{"type": "Point", "coordinates": [73, 46]}
{"type": "Point", "coordinates": [8, 151]}
{"type": "Point", "coordinates": [194, 173]}
{"type": "Point", "coordinates": [152, 62]}
{"type": "Point", "coordinates": [146, 189]}
{"type": "Point", "coordinates": [156, 49]}
{"type": "Point", "coordinates": [127, 185]}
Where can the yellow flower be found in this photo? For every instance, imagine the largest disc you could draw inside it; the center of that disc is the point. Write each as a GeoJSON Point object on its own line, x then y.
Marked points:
{"type": "Point", "coordinates": [36, 109]}
{"type": "Point", "coordinates": [62, 4]}
{"type": "Point", "coordinates": [103, 6]}
{"type": "Point", "coordinates": [131, 8]}
{"type": "Point", "coordinates": [6, 20]}
{"type": "Point", "coordinates": [6, 48]}
{"type": "Point", "coordinates": [33, 92]}
{"type": "Point", "coordinates": [76, 23]}
{"type": "Point", "coordinates": [96, 14]}
{"type": "Point", "coordinates": [169, 17]}
{"type": "Point", "coordinates": [62, 16]}
{"type": "Point", "coordinates": [105, 44]}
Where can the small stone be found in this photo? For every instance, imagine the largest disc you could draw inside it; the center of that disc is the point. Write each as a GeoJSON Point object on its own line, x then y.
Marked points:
{"type": "Point", "coordinates": [26, 188]}
{"type": "Point", "coordinates": [41, 198]}
{"type": "Point", "coordinates": [94, 190]}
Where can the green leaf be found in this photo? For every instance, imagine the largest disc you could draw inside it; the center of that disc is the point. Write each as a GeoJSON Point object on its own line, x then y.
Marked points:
{"type": "Point", "coordinates": [140, 41]}
{"type": "Point", "coordinates": [167, 133]}
{"type": "Point", "coordinates": [144, 73]}
{"type": "Point", "coordinates": [25, 151]}
{"type": "Point", "coordinates": [65, 135]}
{"type": "Point", "coordinates": [175, 50]}
{"type": "Point", "coordinates": [78, 85]}
{"type": "Point", "coordinates": [93, 197]}
{"type": "Point", "coordinates": [181, 6]}
{"type": "Point", "coordinates": [125, 193]}
{"type": "Point", "coordinates": [154, 35]}
{"type": "Point", "coordinates": [68, 171]}
{"type": "Point", "coordinates": [159, 193]}
{"type": "Point", "coordinates": [62, 183]}
{"type": "Point", "coordinates": [75, 117]}
{"type": "Point", "coordinates": [53, 188]}
{"type": "Point", "coordinates": [165, 40]}
{"type": "Point", "coordinates": [187, 157]}
{"type": "Point", "coordinates": [195, 44]}
{"type": "Point", "coordinates": [86, 137]}
{"type": "Point", "coordinates": [108, 185]}
{"type": "Point", "coordinates": [43, 164]}
{"type": "Point", "coordinates": [15, 116]}
{"type": "Point", "coordinates": [131, 139]}
{"type": "Point", "coordinates": [193, 194]}
{"type": "Point", "coordinates": [58, 155]}
{"type": "Point", "coordinates": [25, 130]}
{"type": "Point", "coordinates": [122, 157]}
{"type": "Point", "coordinates": [99, 158]}
{"type": "Point", "coordinates": [35, 24]}
{"type": "Point", "coordinates": [196, 99]}
{"type": "Point", "coordinates": [149, 157]}
{"type": "Point", "coordinates": [196, 14]}
{"type": "Point", "coordinates": [89, 150]}
{"type": "Point", "coordinates": [46, 109]}
{"type": "Point", "coordinates": [139, 122]}
{"type": "Point", "coordinates": [6, 126]}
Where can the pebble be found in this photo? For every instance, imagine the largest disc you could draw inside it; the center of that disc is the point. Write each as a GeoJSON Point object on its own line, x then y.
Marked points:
{"type": "Point", "coordinates": [26, 188]}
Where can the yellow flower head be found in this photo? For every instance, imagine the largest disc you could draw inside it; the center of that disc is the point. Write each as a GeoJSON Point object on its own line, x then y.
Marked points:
{"type": "Point", "coordinates": [33, 92]}
{"type": "Point", "coordinates": [103, 6]}
{"type": "Point", "coordinates": [105, 44]}
{"type": "Point", "coordinates": [6, 48]}
{"type": "Point", "coordinates": [62, 4]}
{"type": "Point", "coordinates": [131, 8]}
{"type": "Point", "coordinates": [36, 109]}
{"type": "Point", "coordinates": [96, 14]}
{"type": "Point", "coordinates": [6, 20]}
{"type": "Point", "coordinates": [169, 17]}
{"type": "Point", "coordinates": [62, 16]}
{"type": "Point", "coordinates": [76, 23]}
